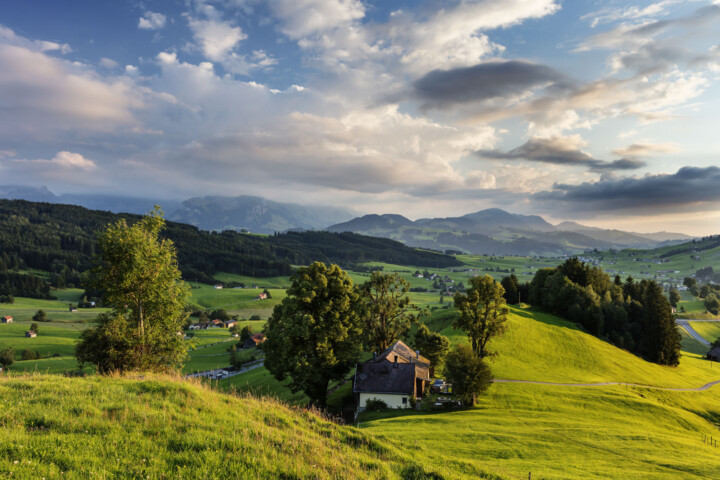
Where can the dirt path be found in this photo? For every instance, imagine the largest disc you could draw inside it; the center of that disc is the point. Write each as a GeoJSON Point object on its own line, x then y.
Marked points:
{"type": "Point", "coordinates": [604, 384]}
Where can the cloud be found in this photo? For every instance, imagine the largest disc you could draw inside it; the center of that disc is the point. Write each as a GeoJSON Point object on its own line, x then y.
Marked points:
{"type": "Point", "coordinates": [689, 189]}
{"type": "Point", "coordinates": [609, 15]}
{"type": "Point", "coordinates": [42, 94]}
{"type": "Point", "coordinates": [9, 37]}
{"type": "Point", "coordinates": [152, 21]}
{"type": "Point", "coordinates": [108, 63]}
{"type": "Point", "coordinates": [216, 38]}
{"type": "Point", "coordinates": [645, 149]}
{"type": "Point", "coordinates": [442, 88]}
{"type": "Point", "coordinates": [65, 167]}
{"type": "Point", "coordinates": [302, 18]}
{"type": "Point", "coordinates": [561, 151]}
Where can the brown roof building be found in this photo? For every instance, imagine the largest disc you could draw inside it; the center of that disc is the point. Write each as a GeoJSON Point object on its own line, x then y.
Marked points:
{"type": "Point", "coordinates": [254, 341]}
{"type": "Point", "coordinates": [714, 354]}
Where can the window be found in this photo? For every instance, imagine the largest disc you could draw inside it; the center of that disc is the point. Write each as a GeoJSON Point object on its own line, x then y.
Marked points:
{"type": "Point", "coordinates": [404, 400]}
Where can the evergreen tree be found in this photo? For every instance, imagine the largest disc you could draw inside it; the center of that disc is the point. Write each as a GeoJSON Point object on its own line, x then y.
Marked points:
{"type": "Point", "coordinates": [661, 336]}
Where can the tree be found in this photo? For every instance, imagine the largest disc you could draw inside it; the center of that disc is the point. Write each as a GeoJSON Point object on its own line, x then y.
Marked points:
{"type": "Point", "coordinates": [510, 284]}
{"type": "Point", "coordinates": [712, 304]}
{"type": "Point", "coordinates": [661, 337]}
{"type": "Point", "coordinates": [246, 333]}
{"type": "Point", "coordinates": [34, 328]}
{"type": "Point", "coordinates": [7, 357]}
{"type": "Point", "coordinates": [40, 316]}
{"type": "Point", "coordinates": [388, 309]}
{"type": "Point", "coordinates": [220, 314]}
{"type": "Point", "coordinates": [314, 335]}
{"type": "Point", "coordinates": [469, 374]}
{"type": "Point", "coordinates": [431, 345]}
{"type": "Point", "coordinates": [674, 297]}
{"type": "Point", "coordinates": [139, 277]}
{"type": "Point", "coordinates": [482, 312]}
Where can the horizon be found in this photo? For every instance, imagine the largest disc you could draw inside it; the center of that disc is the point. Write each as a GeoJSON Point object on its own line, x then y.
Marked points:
{"type": "Point", "coordinates": [602, 115]}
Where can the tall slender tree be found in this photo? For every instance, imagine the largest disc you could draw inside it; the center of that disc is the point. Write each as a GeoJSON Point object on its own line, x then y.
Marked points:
{"type": "Point", "coordinates": [482, 312]}
{"type": "Point", "coordinates": [388, 311]}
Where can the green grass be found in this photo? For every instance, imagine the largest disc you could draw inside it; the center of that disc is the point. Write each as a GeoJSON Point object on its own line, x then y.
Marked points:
{"type": "Point", "coordinates": [710, 331]}
{"type": "Point", "coordinates": [158, 428]}
{"type": "Point", "coordinates": [50, 340]}
{"type": "Point", "coordinates": [57, 310]}
{"type": "Point", "coordinates": [236, 301]}
{"type": "Point", "coordinates": [260, 382]}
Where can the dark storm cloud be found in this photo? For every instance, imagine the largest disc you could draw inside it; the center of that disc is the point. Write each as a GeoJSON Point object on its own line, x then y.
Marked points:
{"type": "Point", "coordinates": [443, 88]}
{"type": "Point", "coordinates": [690, 189]}
{"type": "Point", "coordinates": [560, 151]}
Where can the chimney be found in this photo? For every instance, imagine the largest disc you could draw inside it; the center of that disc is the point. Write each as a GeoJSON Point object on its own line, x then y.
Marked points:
{"type": "Point", "coordinates": [417, 354]}
{"type": "Point", "coordinates": [374, 355]}
{"type": "Point", "coordinates": [395, 365]}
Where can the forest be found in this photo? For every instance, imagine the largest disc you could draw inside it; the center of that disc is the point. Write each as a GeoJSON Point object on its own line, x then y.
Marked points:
{"type": "Point", "coordinates": [62, 240]}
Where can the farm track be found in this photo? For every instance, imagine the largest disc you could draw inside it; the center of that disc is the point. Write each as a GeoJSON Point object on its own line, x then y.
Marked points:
{"type": "Point", "coordinates": [605, 384]}
{"type": "Point", "coordinates": [692, 332]}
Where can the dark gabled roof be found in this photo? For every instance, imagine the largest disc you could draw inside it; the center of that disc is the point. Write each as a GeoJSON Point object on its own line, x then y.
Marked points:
{"type": "Point", "coordinates": [384, 377]}
{"type": "Point", "coordinates": [400, 349]}
{"type": "Point", "coordinates": [715, 352]}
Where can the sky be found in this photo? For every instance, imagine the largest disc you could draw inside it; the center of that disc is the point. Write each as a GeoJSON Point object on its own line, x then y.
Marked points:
{"type": "Point", "coordinates": [602, 112]}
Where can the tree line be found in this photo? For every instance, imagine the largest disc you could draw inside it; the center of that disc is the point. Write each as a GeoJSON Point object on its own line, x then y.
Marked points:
{"type": "Point", "coordinates": [632, 315]}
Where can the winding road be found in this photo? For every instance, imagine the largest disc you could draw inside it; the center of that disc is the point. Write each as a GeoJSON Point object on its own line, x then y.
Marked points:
{"type": "Point", "coordinates": [684, 323]}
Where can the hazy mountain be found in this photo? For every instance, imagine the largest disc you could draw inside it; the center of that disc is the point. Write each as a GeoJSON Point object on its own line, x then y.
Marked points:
{"type": "Point", "coordinates": [256, 214]}
{"type": "Point", "coordinates": [497, 232]}
{"type": "Point", "coordinates": [22, 192]}
{"type": "Point", "coordinates": [112, 203]}
{"type": "Point", "coordinates": [621, 238]}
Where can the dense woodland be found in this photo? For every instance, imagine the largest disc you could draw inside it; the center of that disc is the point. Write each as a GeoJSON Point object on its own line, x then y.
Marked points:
{"type": "Point", "coordinates": [633, 315]}
{"type": "Point", "coordinates": [62, 240]}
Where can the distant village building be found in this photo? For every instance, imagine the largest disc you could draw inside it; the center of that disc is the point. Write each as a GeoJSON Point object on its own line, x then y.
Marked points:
{"type": "Point", "coordinates": [7, 319]}
{"type": "Point", "coordinates": [218, 287]}
{"type": "Point", "coordinates": [31, 334]}
{"type": "Point", "coordinates": [394, 376]}
{"type": "Point", "coordinates": [229, 323]}
{"type": "Point", "coordinates": [254, 341]}
{"type": "Point", "coordinates": [261, 296]}
{"type": "Point", "coordinates": [216, 322]}
{"type": "Point", "coordinates": [73, 309]}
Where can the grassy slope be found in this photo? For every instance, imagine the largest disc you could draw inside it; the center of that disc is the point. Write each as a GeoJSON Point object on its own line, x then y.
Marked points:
{"type": "Point", "coordinates": [571, 432]}
{"type": "Point", "coordinates": [710, 331]}
{"type": "Point", "coordinates": [157, 427]}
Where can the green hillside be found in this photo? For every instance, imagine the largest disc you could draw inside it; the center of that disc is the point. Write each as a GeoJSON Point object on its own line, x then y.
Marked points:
{"type": "Point", "coordinates": [160, 427]}
{"type": "Point", "coordinates": [555, 431]}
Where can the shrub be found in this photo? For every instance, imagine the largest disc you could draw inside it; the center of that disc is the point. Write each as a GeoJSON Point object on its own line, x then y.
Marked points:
{"type": "Point", "coordinates": [28, 354]}
{"type": "Point", "coordinates": [375, 404]}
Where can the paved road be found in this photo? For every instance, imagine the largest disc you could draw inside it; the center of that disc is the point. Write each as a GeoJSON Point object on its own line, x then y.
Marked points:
{"type": "Point", "coordinates": [684, 324]}
{"type": "Point", "coordinates": [212, 373]}
{"type": "Point", "coordinates": [603, 384]}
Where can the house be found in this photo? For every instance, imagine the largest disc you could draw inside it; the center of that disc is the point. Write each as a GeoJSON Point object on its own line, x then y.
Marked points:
{"type": "Point", "coordinates": [218, 287]}
{"type": "Point", "coordinates": [254, 341]}
{"type": "Point", "coordinates": [714, 354]}
{"type": "Point", "coordinates": [7, 319]}
{"type": "Point", "coordinates": [31, 334]}
{"type": "Point", "coordinates": [216, 322]}
{"type": "Point", "coordinates": [395, 376]}
{"type": "Point", "coordinates": [197, 326]}
{"type": "Point", "coordinates": [229, 323]}
{"type": "Point", "coordinates": [73, 309]}
{"type": "Point", "coordinates": [673, 310]}
{"type": "Point", "coordinates": [261, 296]}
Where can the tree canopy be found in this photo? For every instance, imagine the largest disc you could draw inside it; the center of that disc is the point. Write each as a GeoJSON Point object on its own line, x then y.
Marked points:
{"type": "Point", "coordinates": [469, 374]}
{"type": "Point", "coordinates": [388, 311]}
{"type": "Point", "coordinates": [314, 335]}
{"type": "Point", "coordinates": [139, 278]}
{"type": "Point", "coordinates": [482, 312]}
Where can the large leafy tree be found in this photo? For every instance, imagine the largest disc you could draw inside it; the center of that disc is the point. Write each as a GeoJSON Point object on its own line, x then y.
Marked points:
{"type": "Point", "coordinates": [482, 312]}
{"type": "Point", "coordinates": [388, 311]}
{"type": "Point", "coordinates": [139, 278]}
{"type": "Point", "coordinates": [7, 357]}
{"type": "Point", "coordinates": [314, 335]}
{"type": "Point", "coordinates": [469, 374]}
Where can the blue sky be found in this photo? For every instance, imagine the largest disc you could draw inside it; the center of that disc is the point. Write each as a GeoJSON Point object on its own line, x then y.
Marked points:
{"type": "Point", "coordinates": [600, 112]}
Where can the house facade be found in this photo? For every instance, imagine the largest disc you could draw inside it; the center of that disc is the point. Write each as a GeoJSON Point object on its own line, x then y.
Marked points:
{"type": "Point", "coordinates": [7, 319]}
{"type": "Point", "coordinates": [396, 376]}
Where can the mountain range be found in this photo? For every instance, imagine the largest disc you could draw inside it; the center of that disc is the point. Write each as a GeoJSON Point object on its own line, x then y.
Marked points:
{"type": "Point", "coordinates": [497, 232]}
{"type": "Point", "coordinates": [492, 231]}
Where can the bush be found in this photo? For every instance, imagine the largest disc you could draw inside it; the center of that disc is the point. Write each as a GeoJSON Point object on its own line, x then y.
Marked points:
{"type": "Point", "coordinates": [375, 404]}
{"type": "Point", "coordinates": [29, 355]}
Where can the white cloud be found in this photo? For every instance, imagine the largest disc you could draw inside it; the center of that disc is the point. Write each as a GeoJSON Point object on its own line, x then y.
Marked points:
{"type": "Point", "coordinates": [72, 160]}
{"type": "Point", "coordinates": [108, 63]}
{"type": "Point", "coordinates": [302, 18]}
{"type": "Point", "coordinates": [215, 38]}
{"type": "Point", "coordinates": [152, 21]}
